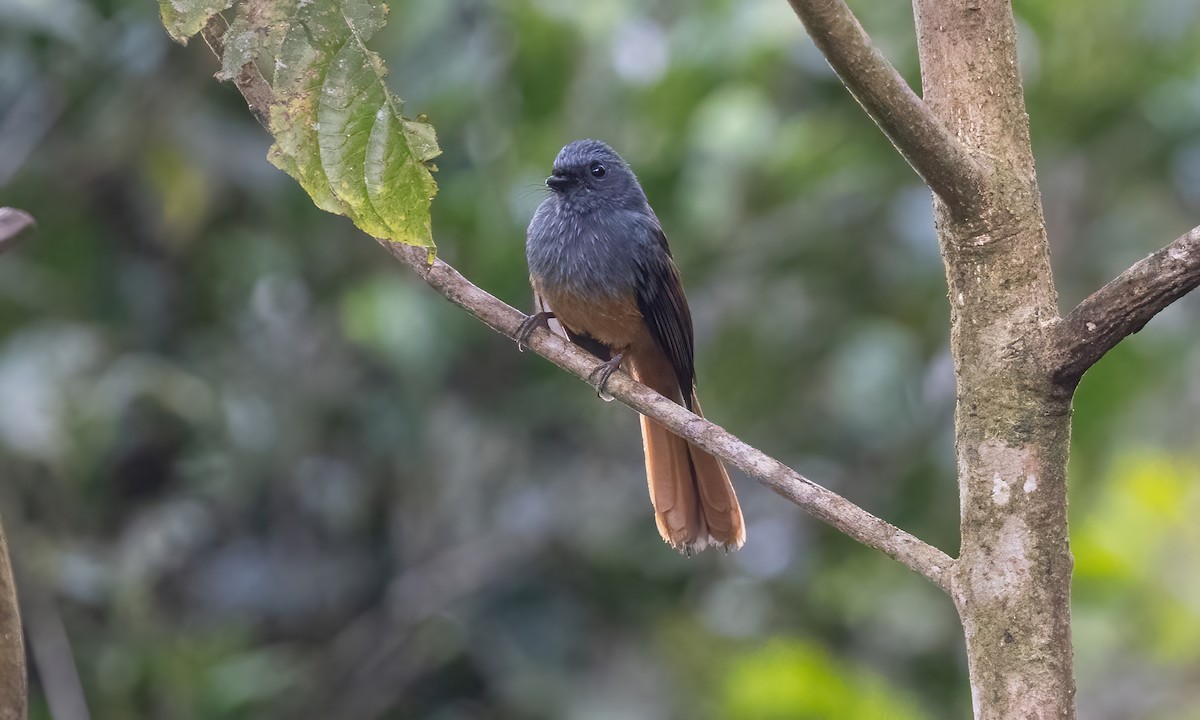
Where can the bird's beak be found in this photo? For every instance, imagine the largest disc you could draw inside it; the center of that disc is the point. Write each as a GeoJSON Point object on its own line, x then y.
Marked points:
{"type": "Point", "coordinates": [559, 183]}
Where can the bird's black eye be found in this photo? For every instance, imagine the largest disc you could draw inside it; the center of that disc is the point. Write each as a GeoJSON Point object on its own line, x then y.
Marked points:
{"type": "Point", "coordinates": [598, 170]}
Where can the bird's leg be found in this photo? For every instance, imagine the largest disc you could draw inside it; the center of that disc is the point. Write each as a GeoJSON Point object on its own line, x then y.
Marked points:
{"type": "Point", "coordinates": [598, 378]}
{"type": "Point", "coordinates": [531, 323]}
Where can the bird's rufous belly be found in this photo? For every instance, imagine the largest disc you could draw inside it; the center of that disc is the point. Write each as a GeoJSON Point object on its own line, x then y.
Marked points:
{"type": "Point", "coordinates": [614, 321]}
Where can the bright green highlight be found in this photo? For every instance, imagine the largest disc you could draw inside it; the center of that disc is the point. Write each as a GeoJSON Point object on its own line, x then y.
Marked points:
{"type": "Point", "coordinates": [796, 680]}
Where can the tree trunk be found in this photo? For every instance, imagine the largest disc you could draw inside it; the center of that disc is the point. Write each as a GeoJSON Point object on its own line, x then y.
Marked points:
{"type": "Point", "coordinates": [13, 691]}
{"type": "Point", "coordinates": [1012, 423]}
{"type": "Point", "coordinates": [14, 694]}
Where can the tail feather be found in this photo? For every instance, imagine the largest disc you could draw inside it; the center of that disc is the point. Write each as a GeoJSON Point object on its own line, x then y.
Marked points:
{"type": "Point", "coordinates": [718, 501]}
{"type": "Point", "coordinates": [669, 477]}
{"type": "Point", "coordinates": [695, 505]}
{"type": "Point", "coordinates": [716, 491]}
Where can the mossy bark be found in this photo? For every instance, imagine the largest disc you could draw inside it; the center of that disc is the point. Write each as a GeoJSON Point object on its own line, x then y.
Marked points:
{"type": "Point", "coordinates": [1012, 425]}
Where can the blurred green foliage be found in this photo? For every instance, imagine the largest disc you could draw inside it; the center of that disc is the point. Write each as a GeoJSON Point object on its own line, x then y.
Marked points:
{"type": "Point", "coordinates": [257, 470]}
{"type": "Point", "coordinates": [794, 680]}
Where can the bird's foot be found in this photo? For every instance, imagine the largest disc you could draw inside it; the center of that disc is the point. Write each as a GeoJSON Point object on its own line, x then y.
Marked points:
{"type": "Point", "coordinates": [531, 323]}
{"type": "Point", "coordinates": [598, 378]}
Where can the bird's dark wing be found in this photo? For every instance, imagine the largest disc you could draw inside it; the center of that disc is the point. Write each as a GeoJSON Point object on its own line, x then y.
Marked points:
{"type": "Point", "coordinates": [662, 303]}
{"type": "Point", "coordinates": [592, 345]}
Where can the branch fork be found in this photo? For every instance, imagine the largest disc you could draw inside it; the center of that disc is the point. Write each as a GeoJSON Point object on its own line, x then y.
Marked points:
{"type": "Point", "coordinates": [1122, 307]}
{"type": "Point", "coordinates": [940, 158]}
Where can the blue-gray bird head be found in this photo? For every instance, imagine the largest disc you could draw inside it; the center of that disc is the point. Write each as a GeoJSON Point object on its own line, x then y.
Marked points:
{"type": "Point", "coordinates": [591, 175]}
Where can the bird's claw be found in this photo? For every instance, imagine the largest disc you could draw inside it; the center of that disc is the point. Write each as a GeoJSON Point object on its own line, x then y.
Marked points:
{"type": "Point", "coordinates": [531, 323]}
{"type": "Point", "coordinates": [598, 378]}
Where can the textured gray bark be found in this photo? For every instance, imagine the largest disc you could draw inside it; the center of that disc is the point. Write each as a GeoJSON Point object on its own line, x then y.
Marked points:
{"type": "Point", "coordinates": [13, 690]}
{"type": "Point", "coordinates": [1012, 425]}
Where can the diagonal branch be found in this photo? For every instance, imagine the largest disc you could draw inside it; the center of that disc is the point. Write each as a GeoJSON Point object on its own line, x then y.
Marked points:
{"type": "Point", "coordinates": [941, 160]}
{"type": "Point", "coordinates": [824, 504]}
{"type": "Point", "coordinates": [1123, 307]}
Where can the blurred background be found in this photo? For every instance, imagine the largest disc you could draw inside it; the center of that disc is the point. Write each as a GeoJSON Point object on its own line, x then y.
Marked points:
{"type": "Point", "coordinates": [253, 468]}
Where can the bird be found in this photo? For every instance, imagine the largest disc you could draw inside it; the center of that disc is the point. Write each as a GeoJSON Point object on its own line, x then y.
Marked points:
{"type": "Point", "coordinates": [601, 269]}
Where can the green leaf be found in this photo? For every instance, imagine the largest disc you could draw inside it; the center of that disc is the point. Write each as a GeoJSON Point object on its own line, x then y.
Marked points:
{"type": "Point", "coordinates": [254, 32]}
{"type": "Point", "coordinates": [184, 18]}
{"type": "Point", "coordinates": [338, 129]}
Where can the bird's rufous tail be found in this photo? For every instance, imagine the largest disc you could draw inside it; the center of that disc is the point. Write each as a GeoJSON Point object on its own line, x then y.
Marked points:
{"type": "Point", "coordinates": [695, 505]}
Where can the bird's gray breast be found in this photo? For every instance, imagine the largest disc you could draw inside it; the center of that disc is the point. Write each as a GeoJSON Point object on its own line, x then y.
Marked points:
{"type": "Point", "coordinates": [592, 255]}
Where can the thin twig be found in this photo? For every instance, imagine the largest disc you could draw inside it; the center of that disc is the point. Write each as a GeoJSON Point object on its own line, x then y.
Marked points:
{"type": "Point", "coordinates": [1122, 307]}
{"type": "Point", "coordinates": [53, 657]}
{"type": "Point", "coordinates": [825, 505]}
{"type": "Point", "coordinates": [250, 83]}
{"type": "Point", "coordinates": [822, 503]}
{"type": "Point", "coordinates": [370, 666]}
{"type": "Point", "coordinates": [941, 160]}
